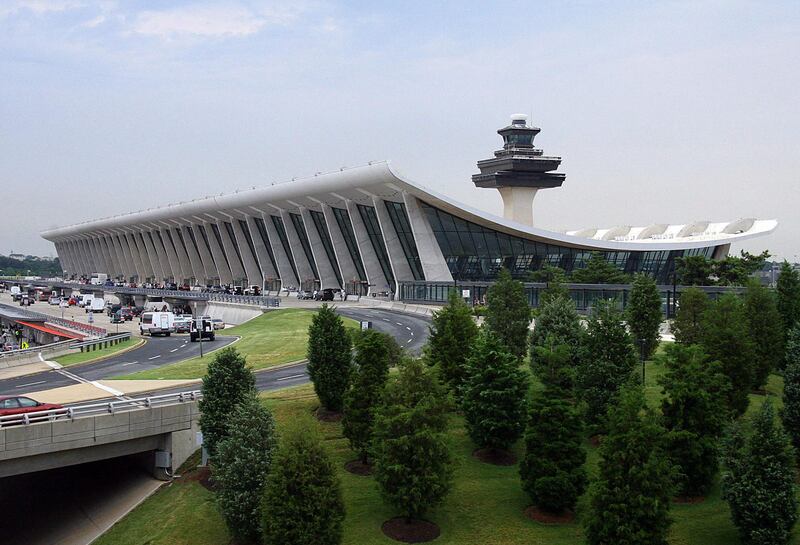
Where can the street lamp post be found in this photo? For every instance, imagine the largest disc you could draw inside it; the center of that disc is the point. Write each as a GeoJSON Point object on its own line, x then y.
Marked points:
{"type": "Point", "coordinates": [199, 326]}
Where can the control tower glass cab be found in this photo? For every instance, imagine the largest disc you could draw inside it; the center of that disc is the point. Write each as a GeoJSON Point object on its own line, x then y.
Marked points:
{"type": "Point", "coordinates": [519, 170]}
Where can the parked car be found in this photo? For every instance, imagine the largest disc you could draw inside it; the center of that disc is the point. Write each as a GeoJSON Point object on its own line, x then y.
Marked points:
{"type": "Point", "coordinates": [54, 300]}
{"type": "Point", "coordinates": [117, 318]}
{"type": "Point", "coordinates": [218, 323]}
{"type": "Point", "coordinates": [182, 324]}
{"type": "Point", "coordinates": [10, 405]}
{"type": "Point", "coordinates": [304, 294]}
{"type": "Point", "coordinates": [324, 295]}
{"type": "Point", "coordinates": [113, 309]}
{"type": "Point", "coordinates": [126, 313]}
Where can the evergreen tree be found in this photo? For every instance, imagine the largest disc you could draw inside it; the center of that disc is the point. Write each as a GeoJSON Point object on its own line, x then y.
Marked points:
{"type": "Point", "coordinates": [599, 271]}
{"type": "Point", "coordinates": [227, 382]}
{"type": "Point", "coordinates": [790, 414]}
{"type": "Point", "coordinates": [629, 501]}
{"type": "Point", "coordinates": [555, 279]}
{"type": "Point", "coordinates": [412, 458]}
{"type": "Point", "coordinates": [557, 324]}
{"type": "Point", "coordinates": [494, 394]}
{"type": "Point", "coordinates": [508, 313]}
{"type": "Point", "coordinates": [552, 471]}
{"type": "Point", "coordinates": [374, 353]}
{"type": "Point", "coordinates": [766, 331]}
{"type": "Point", "coordinates": [738, 270]}
{"type": "Point", "coordinates": [241, 468]}
{"type": "Point", "coordinates": [725, 338]}
{"type": "Point", "coordinates": [554, 364]}
{"type": "Point", "coordinates": [644, 312]}
{"type": "Point", "coordinates": [452, 334]}
{"type": "Point", "coordinates": [792, 345]}
{"type": "Point", "coordinates": [329, 357]}
{"type": "Point", "coordinates": [688, 323]}
{"type": "Point", "coordinates": [788, 289]}
{"type": "Point", "coordinates": [303, 499]}
{"type": "Point", "coordinates": [694, 412]}
{"type": "Point", "coordinates": [694, 270]}
{"type": "Point", "coordinates": [607, 360]}
{"type": "Point", "coordinates": [758, 482]}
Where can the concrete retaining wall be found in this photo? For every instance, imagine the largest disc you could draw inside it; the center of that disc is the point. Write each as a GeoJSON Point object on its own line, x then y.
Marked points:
{"type": "Point", "coordinates": [232, 313]}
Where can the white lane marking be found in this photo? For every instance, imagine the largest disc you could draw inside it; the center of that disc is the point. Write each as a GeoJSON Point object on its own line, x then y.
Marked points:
{"type": "Point", "coordinates": [174, 350]}
{"type": "Point", "coordinates": [409, 340]}
{"type": "Point", "coordinates": [108, 389]}
{"type": "Point", "coordinates": [129, 363]}
{"type": "Point", "coordinates": [398, 323]}
{"type": "Point", "coordinates": [154, 357]}
{"type": "Point", "coordinates": [386, 319]}
{"type": "Point", "coordinates": [30, 384]}
{"type": "Point", "coordinates": [408, 328]}
{"type": "Point", "coordinates": [290, 377]}
{"type": "Point", "coordinates": [412, 333]}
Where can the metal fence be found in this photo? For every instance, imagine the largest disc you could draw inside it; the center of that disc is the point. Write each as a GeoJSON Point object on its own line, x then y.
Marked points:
{"type": "Point", "coordinates": [95, 409]}
{"type": "Point", "coordinates": [97, 344]}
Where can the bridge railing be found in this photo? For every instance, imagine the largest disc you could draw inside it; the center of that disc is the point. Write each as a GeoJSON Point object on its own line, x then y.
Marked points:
{"type": "Point", "coordinates": [95, 409]}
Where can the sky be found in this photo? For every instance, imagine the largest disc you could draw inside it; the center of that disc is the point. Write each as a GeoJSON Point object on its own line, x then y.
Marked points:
{"type": "Point", "coordinates": [663, 112]}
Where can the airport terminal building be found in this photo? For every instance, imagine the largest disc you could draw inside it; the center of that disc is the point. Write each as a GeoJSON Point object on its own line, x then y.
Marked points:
{"type": "Point", "coordinates": [369, 230]}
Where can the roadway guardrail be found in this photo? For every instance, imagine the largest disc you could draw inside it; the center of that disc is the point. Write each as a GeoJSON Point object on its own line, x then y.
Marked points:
{"type": "Point", "coordinates": [94, 409]}
{"type": "Point", "coordinates": [96, 344]}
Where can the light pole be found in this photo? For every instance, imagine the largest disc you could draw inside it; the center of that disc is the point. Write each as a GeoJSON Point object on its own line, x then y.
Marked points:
{"type": "Point", "coordinates": [641, 357]}
{"type": "Point", "coordinates": [199, 325]}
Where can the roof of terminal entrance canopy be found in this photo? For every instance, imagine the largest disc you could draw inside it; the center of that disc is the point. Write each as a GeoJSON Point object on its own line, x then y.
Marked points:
{"type": "Point", "coordinates": [380, 179]}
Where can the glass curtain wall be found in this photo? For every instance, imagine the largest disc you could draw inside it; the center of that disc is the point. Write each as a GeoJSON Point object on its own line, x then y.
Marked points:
{"type": "Point", "coordinates": [397, 213]}
{"type": "Point", "coordinates": [373, 227]}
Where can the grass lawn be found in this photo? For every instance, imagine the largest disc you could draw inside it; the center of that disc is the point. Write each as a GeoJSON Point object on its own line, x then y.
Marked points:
{"type": "Point", "coordinates": [485, 506]}
{"type": "Point", "coordinates": [83, 357]}
{"type": "Point", "coordinates": [275, 337]}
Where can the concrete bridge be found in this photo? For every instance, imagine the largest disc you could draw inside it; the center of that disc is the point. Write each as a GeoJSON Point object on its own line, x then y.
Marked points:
{"type": "Point", "coordinates": [160, 430]}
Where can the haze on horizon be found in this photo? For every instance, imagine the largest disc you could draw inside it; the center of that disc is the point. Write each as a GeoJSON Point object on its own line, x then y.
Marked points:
{"type": "Point", "coordinates": [662, 111]}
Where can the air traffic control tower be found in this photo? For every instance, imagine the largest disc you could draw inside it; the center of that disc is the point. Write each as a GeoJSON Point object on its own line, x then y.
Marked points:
{"type": "Point", "coordinates": [519, 170]}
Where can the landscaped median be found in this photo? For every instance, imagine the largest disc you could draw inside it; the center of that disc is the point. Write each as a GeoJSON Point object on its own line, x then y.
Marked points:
{"type": "Point", "coordinates": [276, 337]}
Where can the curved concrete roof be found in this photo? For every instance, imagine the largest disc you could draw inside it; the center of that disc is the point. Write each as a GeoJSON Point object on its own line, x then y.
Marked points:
{"type": "Point", "coordinates": [380, 179]}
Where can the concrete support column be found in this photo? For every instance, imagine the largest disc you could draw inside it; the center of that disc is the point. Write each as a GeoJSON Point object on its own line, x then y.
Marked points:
{"type": "Point", "coordinates": [147, 266]}
{"type": "Point", "coordinates": [196, 263]}
{"type": "Point", "coordinates": [267, 267]}
{"type": "Point", "coordinates": [149, 245]}
{"type": "Point", "coordinates": [127, 260]}
{"type": "Point", "coordinates": [137, 259]}
{"type": "Point", "coordinates": [346, 264]}
{"type": "Point", "coordinates": [251, 267]}
{"type": "Point", "coordinates": [181, 253]}
{"type": "Point", "coordinates": [172, 256]}
{"type": "Point", "coordinates": [430, 254]}
{"type": "Point", "coordinates": [372, 266]}
{"type": "Point", "coordinates": [304, 270]}
{"type": "Point", "coordinates": [283, 260]}
{"type": "Point", "coordinates": [80, 256]}
{"type": "Point", "coordinates": [100, 263]}
{"type": "Point", "coordinates": [327, 276]}
{"type": "Point", "coordinates": [161, 251]}
{"type": "Point", "coordinates": [106, 257]}
{"type": "Point", "coordinates": [230, 249]}
{"type": "Point", "coordinates": [209, 266]}
{"type": "Point", "coordinates": [105, 241]}
{"type": "Point", "coordinates": [400, 266]}
{"type": "Point", "coordinates": [225, 273]}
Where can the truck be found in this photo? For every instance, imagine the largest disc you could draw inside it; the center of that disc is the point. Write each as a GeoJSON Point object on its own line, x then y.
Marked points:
{"type": "Point", "coordinates": [157, 323]}
{"type": "Point", "coordinates": [98, 279]}
{"type": "Point", "coordinates": [201, 328]}
{"type": "Point", "coordinates": [96, 304]}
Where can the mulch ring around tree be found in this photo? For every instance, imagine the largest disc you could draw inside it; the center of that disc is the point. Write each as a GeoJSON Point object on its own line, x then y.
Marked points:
{"type": "Point", "coordinates": [410, 530]}
{"type": "Point", "coordinates": [324, 415]}
{"type": "Point", "coordinates": [534, 513]}
{"type": "Point", "coordinates": [203, 476]}
{"type": "Point", "coordinates": [495, 456]}
{"type": "Point", "coordinates": [357, 467]}
{"type": "Point", "coordinates": [689, 500]}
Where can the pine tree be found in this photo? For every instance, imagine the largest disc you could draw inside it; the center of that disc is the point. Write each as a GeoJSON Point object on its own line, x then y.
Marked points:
{"type": "Point", "coordinates": [452, 334]}
{"type": "Point", "coordinates": [758, 482]}
{"type": "Point", "coordinates": [494, 394]}
{"type": "Point", "coordinates": [599, 271]}
{"type": "Point", "coordinates": [412, 459]}
{"type": "Point", "coordinates": [607, 361]}
{"type": "Point", "coordinates": [766, 331]}
{"type": "Point", "coordinates": [688, 323]}
{"type": "Point", "coordinates": [726, 339]}
{"type": "Point", "coordinates": [329, 357]}
{"type": "Point", "coordinates": [374, 353]}
{"type": "Point", "coordinates": [554, 364]}
{"type": "Point", "coordinates": [508, 312]}
{"type": "Point", "coordinates": [241, 467]}
{"type": "Point", "coordinates": [557, 324]}
{"type": "Point", "coordinates": [788, 289]}
{"type": "Point", "coordinates": [227, 382]}
{"type": "Point", "coordinates": [629, 502]}
{"type": "Point", "coordinates": [644, 312]}
{"type": "Point", "coordinates": [790, 414]}
{"type": "Point", "coordinates": [303, 499]}
{"type": "Point", "coordinates": [694, 412]}
{"type": "Point", "coordinates": [552, 471]}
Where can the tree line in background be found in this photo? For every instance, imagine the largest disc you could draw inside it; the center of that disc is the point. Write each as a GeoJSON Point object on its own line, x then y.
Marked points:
{"type": "Point", "coordinates": [581, 380]}
{"type": "Point", "coordinates": [29, 267]}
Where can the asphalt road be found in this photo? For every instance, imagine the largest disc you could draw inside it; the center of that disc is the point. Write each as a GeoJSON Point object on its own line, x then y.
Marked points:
{"type": "Point", "coordinates": [409, 330]}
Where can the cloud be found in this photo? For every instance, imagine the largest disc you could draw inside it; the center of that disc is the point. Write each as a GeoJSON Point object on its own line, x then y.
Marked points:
{"type": "Point", "coordinates": [44, 6]}
{"type": "Point", "coordinates": [94, 23]}
{"type": "Point", "coordinates": [210, 21]}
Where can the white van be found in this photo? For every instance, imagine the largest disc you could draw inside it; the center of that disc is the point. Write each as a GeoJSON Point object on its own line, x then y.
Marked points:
{"type": "Point", "coordinates": [157, 323]}
{"type": "Point", "coordinates": [86, 299]}
{"type": "Point", "coordinates": [96, 305]}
